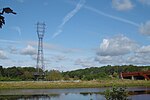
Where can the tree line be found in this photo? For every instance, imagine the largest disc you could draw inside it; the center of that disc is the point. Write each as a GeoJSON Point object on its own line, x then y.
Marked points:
{"type": "Point", "coordinates": [104, 72]}
{"type": "Point", "coordinates": [26, 74]}
{"type": "Point", "coordinates": [93, 73]}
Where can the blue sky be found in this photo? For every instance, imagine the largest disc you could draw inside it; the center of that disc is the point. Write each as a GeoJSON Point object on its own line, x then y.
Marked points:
{"type": "Point", "coordinates": [79, 33]}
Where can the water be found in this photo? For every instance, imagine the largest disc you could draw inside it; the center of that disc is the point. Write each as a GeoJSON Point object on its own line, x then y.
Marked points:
{"type": "Point", "coordinates": [137, 93]}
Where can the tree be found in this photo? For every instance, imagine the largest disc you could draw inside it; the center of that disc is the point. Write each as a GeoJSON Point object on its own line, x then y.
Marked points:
{"type": "Point", "coordinates": [13, 72]}
{"type": "Point", "coordinates": [1, 71]}
{"type": "Point", "coordinates": [66, 77]}
{"type": "Point", "coordinates": [54, 75]}
{"type": "Point", "coordinates": [27, 76]}
{"type": "Point", "coordinates": [5, 10]}
{"type": "Point", "coordinates": [2, 21]}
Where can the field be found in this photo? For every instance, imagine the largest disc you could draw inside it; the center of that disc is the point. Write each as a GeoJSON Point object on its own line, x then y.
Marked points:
{"type": "Point", "coordinates": [73, 84]}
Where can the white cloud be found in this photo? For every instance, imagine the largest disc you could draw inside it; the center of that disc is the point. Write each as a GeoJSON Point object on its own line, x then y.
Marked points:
{"type": "Point", "coordinates": [13, 50]}
{"type": "Point", "coordinates": [144, 49]}
{"type": "Point", "coordinates": [139, 59]}
{"type": "Point", "coordinates": [29, 50]}
{"type": "Point", "coordinates": [9, 41]}
{"type": "Point", "coordinates": [121, 50]}
{"type": "Point", "coordinates": [141, 56]}
{"type": "Point", "coordinates": [58, 58]}
{"type": "Point", "coordinates": [87, 62]}
{"type": "Point", "coordinates": [103, 59]}
{"type": "Point", "coordinates": [145, 2]}
{"type": "Point", "coordinates": [122, 5]}
{"type": "Point", "coordinates": [68, 17]}
{"type": "Point", "coordinates": [3, 55]}
{"type": "Point", "coordinates": [145, 28]}
{"type": "Point", "coordinates": [45, 45]}
{"type": "Point", "coordinates": [55, 47]}
{"type": "Point", "coordinates": [110, 60]}
{"type": "Point", "coordinates": [119, 45]}
{"type": "Point", "coordinates": [97, 11]}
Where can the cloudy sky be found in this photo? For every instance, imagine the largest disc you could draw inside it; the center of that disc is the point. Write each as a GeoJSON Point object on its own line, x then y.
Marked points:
{"type": "Point", "coordinates": [79, 33]}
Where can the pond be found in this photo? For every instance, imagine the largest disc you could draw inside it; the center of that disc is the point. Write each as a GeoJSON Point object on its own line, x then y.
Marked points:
{"type": "Point", "coordinates": [136, 93]}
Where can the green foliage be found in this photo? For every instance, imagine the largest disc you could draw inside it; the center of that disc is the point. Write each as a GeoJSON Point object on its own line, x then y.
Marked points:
{"type": "Point", "coordinates": [93, 73]}
{"type": "Point", "coordinates": [66, 77]}
{"type": "Point", "coordinates": [103, 72]}
{"type": "Point", "coordinates": [116, 93]}
{"type": "Point", "coordinates": [16, 73]}
{"type": "Point", "coordinates": [1, 71]}
{"type": "Point", "coordinates": [53, 75]}
{"type": "Point", "coordinates": [27, 75]}
{"type": "Point", "coordinates": [76, 78]}
{"type": "Point", "coordinates": [115, 74]}
{"type": "Point", "coordinates": [9, 79]}
{"type": "Point", "coordinates": [13, 72]}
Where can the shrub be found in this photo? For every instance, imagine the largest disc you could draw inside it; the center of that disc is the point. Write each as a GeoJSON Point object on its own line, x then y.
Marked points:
{"type": "Point", "coordinates": [116, 93]}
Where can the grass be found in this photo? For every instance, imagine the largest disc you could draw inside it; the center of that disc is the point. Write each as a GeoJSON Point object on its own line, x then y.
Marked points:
{"type": "Point", "coordinates": [81, 84]}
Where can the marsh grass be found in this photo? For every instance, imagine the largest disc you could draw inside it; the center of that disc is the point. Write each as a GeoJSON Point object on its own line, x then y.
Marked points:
{"type": "Point", "coordinates": [80, 84]}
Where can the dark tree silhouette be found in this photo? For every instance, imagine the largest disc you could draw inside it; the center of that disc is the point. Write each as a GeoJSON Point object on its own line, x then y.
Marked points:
{"type": "Point", "coordinates": [5, 10]}
{"type": "Point", "coordinates": [8, 10]}
{"type": "Point", "coordinates": [2, 21]}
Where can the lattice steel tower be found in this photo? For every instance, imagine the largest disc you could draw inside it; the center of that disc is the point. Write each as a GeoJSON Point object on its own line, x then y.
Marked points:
{"type": "Point", "coordinates": [40, 56]}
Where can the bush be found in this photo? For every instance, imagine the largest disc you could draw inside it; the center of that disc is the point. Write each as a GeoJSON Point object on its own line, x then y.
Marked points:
{"type": "Point", "coordinates": [116, 93]}
{"type": "Point", "coordinates": [66, 77]}
{"type": "Point", "coordinates": [54, 75]}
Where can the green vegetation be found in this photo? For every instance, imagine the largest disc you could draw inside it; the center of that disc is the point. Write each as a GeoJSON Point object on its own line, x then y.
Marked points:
{"type": "Point", "coordinates": [105, 72]}
{"type": "Point", "coordinates": [116, 93]}
{"type": "Point", "coordinates": [71, 84]}
{"type": "Point", "coordinates": [17, 73]}
{"type": "Point", "coordinates": [87, 74]}
{"type": "Point", "coordinates": [53, 75]}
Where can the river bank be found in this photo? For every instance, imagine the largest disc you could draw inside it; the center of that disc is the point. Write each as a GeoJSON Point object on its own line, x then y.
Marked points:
{"type": "Point", "coordinates": [71, 84]}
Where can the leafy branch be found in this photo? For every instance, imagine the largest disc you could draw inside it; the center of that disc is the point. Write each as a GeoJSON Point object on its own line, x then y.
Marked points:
{"type": "Point", "coordinates": [6, 10]}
